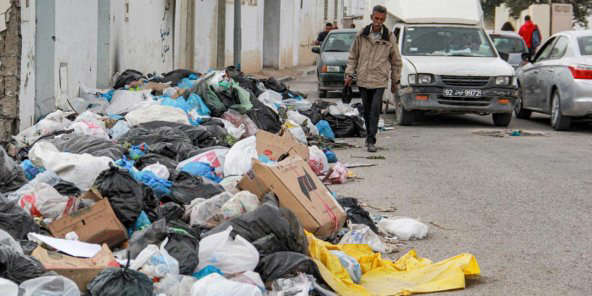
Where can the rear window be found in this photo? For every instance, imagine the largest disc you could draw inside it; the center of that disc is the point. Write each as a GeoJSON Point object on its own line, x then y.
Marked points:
{"type": "Point", "coordinates": [508, 44]}
{"type": "Point", "coordinates": [585, 45]}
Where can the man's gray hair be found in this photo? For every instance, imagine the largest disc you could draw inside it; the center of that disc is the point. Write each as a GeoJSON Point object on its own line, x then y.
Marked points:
{"type": "Point", "coordinates": [379, 9]}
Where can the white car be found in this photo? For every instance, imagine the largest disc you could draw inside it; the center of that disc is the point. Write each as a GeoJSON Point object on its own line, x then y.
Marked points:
{"type": "Point", "coordinates": [558, 79]}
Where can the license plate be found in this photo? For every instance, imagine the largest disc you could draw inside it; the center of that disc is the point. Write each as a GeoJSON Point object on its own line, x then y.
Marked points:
{"type": "Point", "coordinates": [473, 93]}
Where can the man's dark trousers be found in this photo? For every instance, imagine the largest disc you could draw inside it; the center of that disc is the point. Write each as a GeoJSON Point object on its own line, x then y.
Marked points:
{"type": "Point", "coordinates": [372, 101]}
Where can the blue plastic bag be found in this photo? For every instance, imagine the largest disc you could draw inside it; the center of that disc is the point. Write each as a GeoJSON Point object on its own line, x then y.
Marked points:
{"type": "Point", "coordinates": [198, 104]}
{"type": "Point", "coordinates": [30, 169]}
{"type": "Point", "coordinates": [209, 269]}
{"type": "Point", "coordinates": [141, 223]}
{"type": "Point", "coordinates": [201, 169]}
{"type": "Point", "coordinates": [331, 156]}
{"type": "Point", "coordinates": [135, 152]}
{"type": "Point", "coordinates": [108, 96]}
{"type": "Point", "coordinates": [187, 83]}
{"type": "Point", "coordinates": [161, 187]}
{"type": "Point", "coordinates": [325, 130]}
{"type": "Point", "coordinates": [179, 102]}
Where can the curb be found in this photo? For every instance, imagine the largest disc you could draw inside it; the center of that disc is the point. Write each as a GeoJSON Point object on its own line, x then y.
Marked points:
{"type": "Point", "coordinates": [286, 78]}
{"type": "Point", "coordinates": [303, 73]}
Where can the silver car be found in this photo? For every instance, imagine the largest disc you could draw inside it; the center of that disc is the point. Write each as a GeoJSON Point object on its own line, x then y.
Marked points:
{"type": "Point", "coordinates": [511, 44]}
{"type": "Point", "coordinates": [558, 79]}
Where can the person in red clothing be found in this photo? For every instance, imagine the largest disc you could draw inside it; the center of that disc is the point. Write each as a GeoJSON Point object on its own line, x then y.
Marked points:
{"type": "Point", "coordinates": [531, 35]}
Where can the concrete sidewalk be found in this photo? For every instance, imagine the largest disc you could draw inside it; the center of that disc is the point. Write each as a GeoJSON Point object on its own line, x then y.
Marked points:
{"type": "Point", "coordinates": [285, 74]}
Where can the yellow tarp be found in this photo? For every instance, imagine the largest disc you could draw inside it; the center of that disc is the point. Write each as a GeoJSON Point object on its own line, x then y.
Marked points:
{"type": "Point", "coordinates": [408, 275]}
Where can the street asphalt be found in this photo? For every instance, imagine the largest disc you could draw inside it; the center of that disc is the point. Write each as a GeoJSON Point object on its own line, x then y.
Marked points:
{"type": "Point", "coordinates": [520, 204]}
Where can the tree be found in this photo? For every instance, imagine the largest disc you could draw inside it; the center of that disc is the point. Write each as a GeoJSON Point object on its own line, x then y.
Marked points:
{"type": "Point", "coordinates": [582, 8]}
{"type": "Point", "coordinates": [489, 8]}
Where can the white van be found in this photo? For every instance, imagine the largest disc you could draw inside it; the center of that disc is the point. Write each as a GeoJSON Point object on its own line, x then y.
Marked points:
{"type": "Point", "coordinates": [450, 64]}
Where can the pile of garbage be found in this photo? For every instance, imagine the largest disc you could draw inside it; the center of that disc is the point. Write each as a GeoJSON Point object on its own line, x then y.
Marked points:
{"type": "Point", "coordinates": [191, 184]}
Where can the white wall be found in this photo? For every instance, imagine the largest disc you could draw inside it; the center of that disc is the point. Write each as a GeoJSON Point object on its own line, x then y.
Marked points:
{"type": "Point", "coordinates": [252, 35]}
{"type": "Point", "coordinates": [206, 26]}
{"type": "Point", "coordinates": [75, 47]}
{"type": "Point", "coordinates": [27, 87]}
{"type": "Point", "coordinates": [142, 35]}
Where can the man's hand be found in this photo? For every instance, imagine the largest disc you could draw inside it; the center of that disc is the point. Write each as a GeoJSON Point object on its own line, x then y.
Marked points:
{"type": "Point", "coordinates": [348, 80]}
{"type": "Point", "coordinates": [394, 88]}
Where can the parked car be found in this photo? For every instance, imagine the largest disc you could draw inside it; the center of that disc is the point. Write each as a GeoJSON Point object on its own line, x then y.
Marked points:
{"type": "Point", "coordinates": [449, 63]}
{"type": "Point", "coordinates": [332, 60]}
{"type": "Point", "coordinates": [558, 79]}
{"type": "Point", "coordinates": [511, 44]}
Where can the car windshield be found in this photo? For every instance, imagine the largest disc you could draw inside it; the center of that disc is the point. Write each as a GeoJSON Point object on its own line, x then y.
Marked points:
{"type": "Point", "coordinates": [508, 44]}
{"type": "Point", "coordinates": [446, 41]}
{"type": "Point", "coordinates": [339, 42]}
{"type": "Point", "coordinates": [585, 45]}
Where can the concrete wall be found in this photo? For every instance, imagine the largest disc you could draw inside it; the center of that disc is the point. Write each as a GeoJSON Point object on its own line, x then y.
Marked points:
{"type": "Point", "coordinates": [10, 52]}
{"type": "Point", "coordinates": [206, 28]}
{"type": "Point", "coordinates": [311, 22]}
{"type": "Point", "coordinates": [252, 34]}
{"type": "Point", "coordinates": [27, 85]}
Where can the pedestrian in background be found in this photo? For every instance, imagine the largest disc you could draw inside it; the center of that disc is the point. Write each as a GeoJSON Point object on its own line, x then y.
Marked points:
{"type": "Point", "coordinates": [531, 34]}
{"type": "Point", "coordinates": [323, 35]}
{"type": "Point", "coordinates": [372, 56]}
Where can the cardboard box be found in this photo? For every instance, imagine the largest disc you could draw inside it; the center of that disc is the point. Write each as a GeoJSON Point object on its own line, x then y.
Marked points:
{"type": "Point", "coordinates": [81, 271]}
{"type": "Point", "coordinates": [97, 224]}
{"type": "Point", "coordinates": [300, 190]}
{"type": "Point", "coordinates": [274, 146]}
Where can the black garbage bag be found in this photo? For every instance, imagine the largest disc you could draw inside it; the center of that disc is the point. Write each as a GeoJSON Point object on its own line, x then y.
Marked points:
{"type": "Point", "coordinates": [170, 211]}
{"type": "Point", "coordinates": [285, 264]}
{"type": "Point", "coordinates": [120, 282]}
{"type": "Point", "coordinates": [18, 267]}
{"type": "Point", "coordinates": [270, 229]}
{"type": "Point", "coordinates": [79, 144]}
{"type": "Point", "coordinates": [314, 113]}
{"type": "Point", "coordinates": [152, 158]}
{"type": "Point", "coordinates": [175, 76]}
{"type": "Point", "coordinates": [12, 176]}
{"type": "Point", "coordinates": [67, 188]}
{"type": "Point", "coordinates": [346, 126]}
{"type": "Point", "coordinates": [275, 85]}
{"type": "Point", "coordinates": [16, 221]}
{"type": "Point", "coordinates": [155, 133]}
{"type": "Point", "coordinates": [178, 151]}
{"type": "Point", "coordinates": [187, 188]}
{"type": "Point", "coordinates": [264, 117]}
{"type": "Point", "coordinates": [355, 213]}
{"type": "Point", "coordinates": [127, 77]}
{"type": "Point", "coordinates": [28, 246]}
{"type": "Point", "coordinates": [347, 95]}
{"type": "Point", "coordinates": [154, 234]}
{"type": "Point", "coordinates": [209, 96]}
{"type": "Point", "coordinates": [184, 247]}
{"type": "Point", "coordinates": [123, 192]}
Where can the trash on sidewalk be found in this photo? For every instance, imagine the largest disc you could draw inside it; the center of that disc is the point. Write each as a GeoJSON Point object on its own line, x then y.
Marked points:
{"type": "Point", "coordinates": [403, 228]}
{"type": "Point", "coordinates": [362, 234]}
{"type": "Point", "coordinates": [216, 285]}
{"type": "Point", "coordinates": [230, 255]}
{"type": "Point", "coordinates": [79, 270]}
{"type": "Point", "coordinates": [509, 133]}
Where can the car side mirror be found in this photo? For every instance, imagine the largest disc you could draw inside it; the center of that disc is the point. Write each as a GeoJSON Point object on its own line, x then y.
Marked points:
{"type": "Point", "coordinates": [316, 49]}
{"type": "Point", "coordinates": [526, 57]}
{"type": "Point", "coordinates": [504, 56]}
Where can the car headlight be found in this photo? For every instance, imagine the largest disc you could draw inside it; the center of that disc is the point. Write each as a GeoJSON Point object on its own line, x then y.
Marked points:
{"type": "Point", "coordinates": [333, 69]}
{"type": "Point", "coordinates": [421, 79]}
{"type": "Point", "coordinates": [503, 80]}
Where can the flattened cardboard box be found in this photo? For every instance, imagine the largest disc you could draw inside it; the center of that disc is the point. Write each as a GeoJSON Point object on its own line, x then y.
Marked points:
{"type": "Point", "coordinates": [97, 224]}
{"type": "Point", "coordinates": [274, 146]}
{"type": "Point", "coordinates": [300, 190]}
{"type": "Point", "coordinates": [79, 270]}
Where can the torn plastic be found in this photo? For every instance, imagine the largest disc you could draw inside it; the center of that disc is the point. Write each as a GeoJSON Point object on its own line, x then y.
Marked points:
{"type": "Point", "coordinates": [240, 203]}
{"type": "Point", "coordinates": [208, 214]}
{"type": "Point", "coordinates": [362, 234]}
{"type": "Point", "coordinates": [156, 262]}
{"type": "Point", "coordinates": [317, 161]}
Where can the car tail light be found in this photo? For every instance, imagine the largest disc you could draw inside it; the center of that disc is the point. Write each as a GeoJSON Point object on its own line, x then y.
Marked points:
{"type": "Point", "coordinates": [324, 69]}
{"type": "Point", "coordinates": [581, 72]}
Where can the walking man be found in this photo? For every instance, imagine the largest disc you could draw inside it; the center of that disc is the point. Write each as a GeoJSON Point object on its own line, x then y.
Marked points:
{"type": "Point", "coordinates": [372, 56]}
{"type": "Point", "coordinates": [531, 34]}
{"type": "Point", "coordinates": [323, 34]}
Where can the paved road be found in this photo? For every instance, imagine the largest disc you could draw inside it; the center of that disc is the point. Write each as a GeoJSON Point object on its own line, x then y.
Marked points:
{"type": "Point", "coordinates": [521, 205]}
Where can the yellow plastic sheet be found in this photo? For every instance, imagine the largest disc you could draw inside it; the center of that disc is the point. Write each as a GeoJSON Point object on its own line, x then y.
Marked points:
{"type": "Point", "coordinates": [408, 275]}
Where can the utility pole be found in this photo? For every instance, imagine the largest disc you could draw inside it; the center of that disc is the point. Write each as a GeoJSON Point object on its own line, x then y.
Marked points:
{"type": "Point", "coordinates": [237, 34]}
{"type": "Point", "coordinates": [221, 35]}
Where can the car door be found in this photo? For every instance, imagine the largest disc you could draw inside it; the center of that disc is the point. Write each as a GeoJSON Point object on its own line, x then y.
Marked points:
{"type": "Point", "coordinates": [530, 79]}
{"type": "Point", "coordinates": [550, 70]}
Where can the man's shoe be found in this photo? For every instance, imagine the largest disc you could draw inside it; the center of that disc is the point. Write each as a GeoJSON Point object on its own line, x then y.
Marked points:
{"type": "Point", "coordinates": [371, 148]}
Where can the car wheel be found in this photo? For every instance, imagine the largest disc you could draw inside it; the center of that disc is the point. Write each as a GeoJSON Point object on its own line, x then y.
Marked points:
{"type": "Point", "coordinates": [559, 122]}
{"type": "Point", "coordinates": [501, 119]}
{"type": "Point", "coordinates": [519, 109]}
{"type": "Point", "coordinates": [402, 116]}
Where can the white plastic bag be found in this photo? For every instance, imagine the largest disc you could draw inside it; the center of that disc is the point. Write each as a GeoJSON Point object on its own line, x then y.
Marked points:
{"type": "Point", "coordinates": [271, 99]}
{"type": "Point", "coordinates": [125, 101]}
{"type": "Point", "coordinates": [230, 184]}
{"type": "Point", "coordinates": [156, 113]}
{"type": "Point", "coordinates": [80, 169]}
{"type": "Point", "coordinates": [362, 234]}
{"type": "Point", "coordinates": [53, 122]}
{"type": "Point", "coordinates": [296, 104]}
{"type": "Point", "coordinates": [343, 109]}
{"type": "Point", "coordinates": [49, 286]}
{"type": "Point", "coordinates": [119, 129]}
{"type": "Point", "coordinates": [89, 123]}
{"type": "Point", "coordinates": [239, 159]}
{"type": "Point", "coordinates": [215, 158]}
{"type": "Point", "coordinates": [296, 131]}
{"type": "Point", "coordinates": [7, 240]}
{"type": "Point", "coordinates": [8, 288]}
{"type": "Point", "coordinates": [234, 131]}
{"type": "Point", "coordinates": [156, 262]}
{"type": "Point", "coordinates": [209, 212]}
{"type": "Point", "coordinates": [303, 119]}
{"type": "Point", "coordinates": [300, 285]}
{"type": "Point", "coordinates": [404, 228]}
{"type": "Point", "coordinates": [174, 285]}
{"type": "Point", "coordinates": [318, 160]}
{"type": "Point", "coordinates": [227, 254]}
{"type": "Point", "coordinates": [216, 285]}
{"type": "Point", "coordinates": [159, 170]}
{"type": "Point", "coordinates": [189, 208]}
{"type": "Point", "coordinates": [240, 203]}
{"type": "Point", "coordinates": [251, 278]}
{"type": "Point", "coordinates": [42, 200]}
